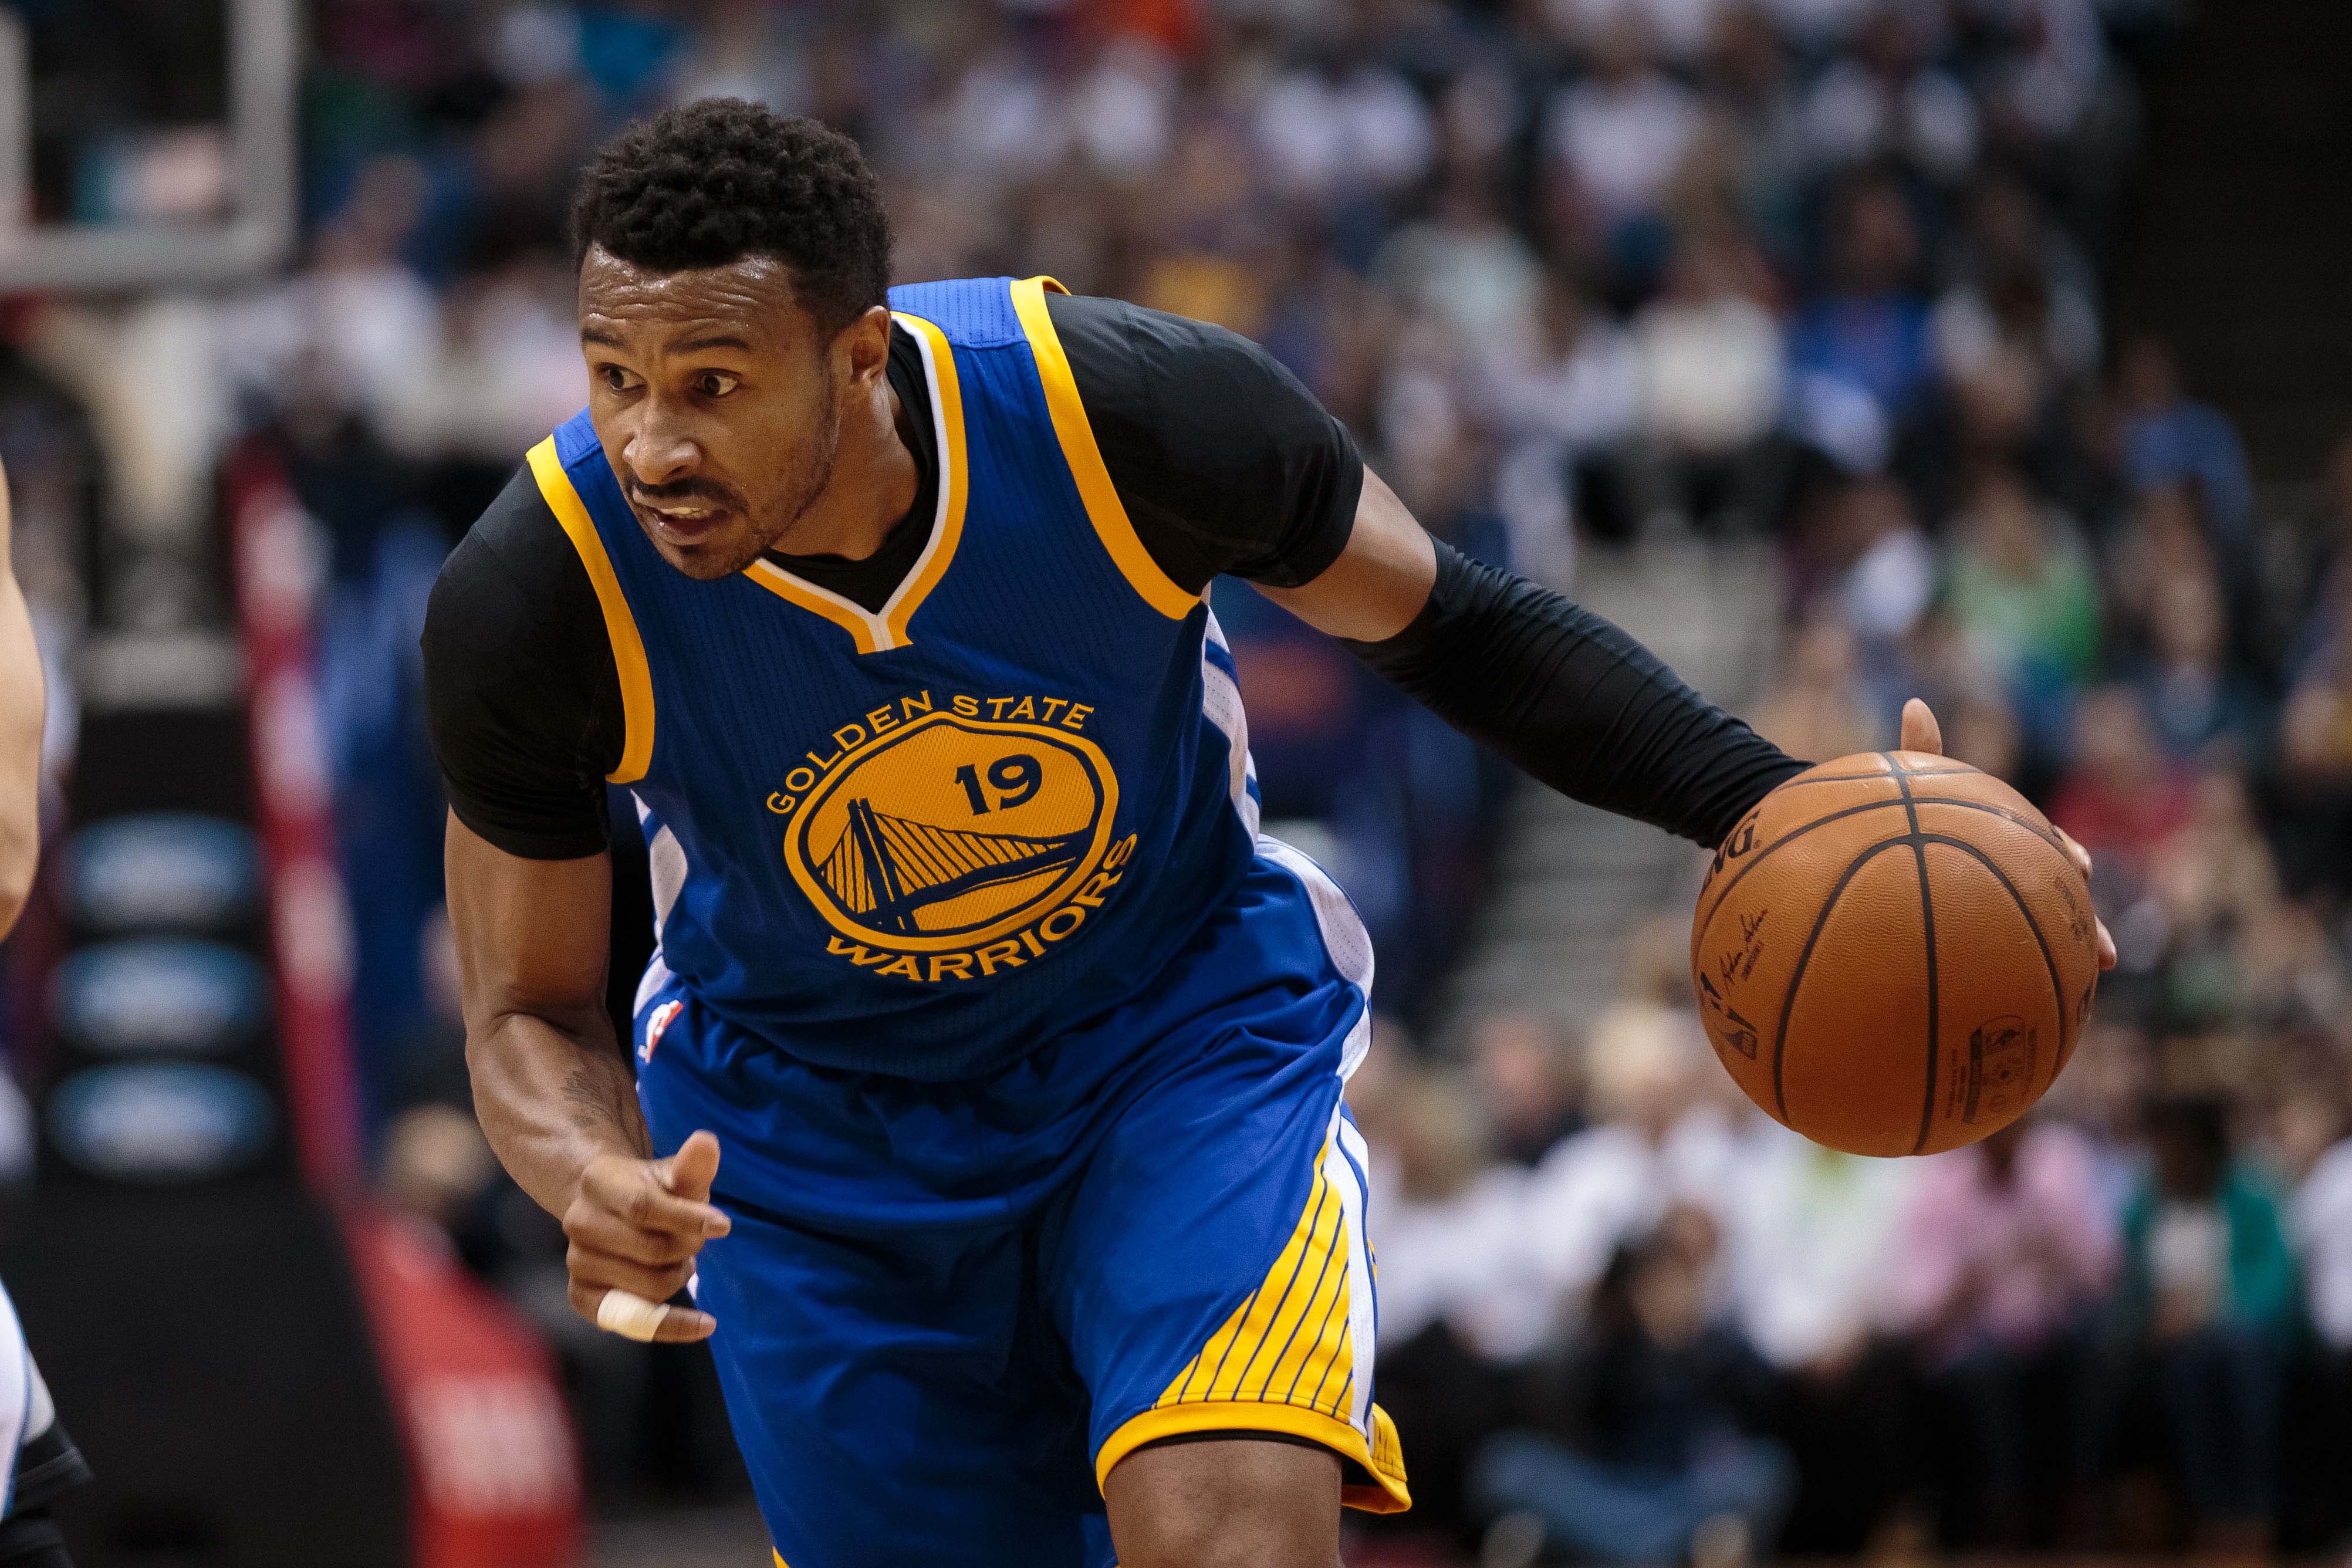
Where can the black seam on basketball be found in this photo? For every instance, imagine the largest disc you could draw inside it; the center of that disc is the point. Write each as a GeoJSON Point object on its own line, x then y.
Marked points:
{"type": "Point", "coordinates": [1859, 778]}
{"type": "Point", "coordinates": [1927, 933]}
{"type": "Point", "coordinates": [1845, 812]}
{"type": "Point", "coordinates": [1788, 837]}
{"type": "Point", "coordinates": [1804, 956]}
{"type": "Point", "coordinates": [2057, 986]}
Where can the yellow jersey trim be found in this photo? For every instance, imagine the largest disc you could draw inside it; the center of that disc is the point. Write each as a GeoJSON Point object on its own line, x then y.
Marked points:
{"type": "Point", "coordinates": [879, 631]}
{"type": "Point", "coordinates": [620, 626]}
{"type": "Point", "coordinates": [1085, 458]}
{"type": "Point", "coordinates": [1382, 1457]}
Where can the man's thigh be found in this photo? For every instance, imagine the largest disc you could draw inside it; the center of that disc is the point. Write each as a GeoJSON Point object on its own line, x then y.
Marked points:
{"type": "Point", "coordinates": [901, 1400]}
{"type": "Point", "coordinates": [1208, 1268]}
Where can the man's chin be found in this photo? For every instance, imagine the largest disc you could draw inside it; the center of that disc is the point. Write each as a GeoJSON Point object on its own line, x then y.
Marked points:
{"type": "Point", "coordinates": [708, 554]}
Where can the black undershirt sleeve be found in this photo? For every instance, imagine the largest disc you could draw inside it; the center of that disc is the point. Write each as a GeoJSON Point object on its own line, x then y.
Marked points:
{"type": "Point", "coordinates": [1224, 461]}
{"type": "Point", "coordinates": [521, 695]}
{"type": "Point", "coordinates": [32, 1540]}
{"type": "Point", "coordinates": [1576, 704]}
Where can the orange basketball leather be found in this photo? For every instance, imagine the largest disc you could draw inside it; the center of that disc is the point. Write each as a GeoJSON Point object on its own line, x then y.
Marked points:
{"type": "Point", "coordinates": [1893, 955]}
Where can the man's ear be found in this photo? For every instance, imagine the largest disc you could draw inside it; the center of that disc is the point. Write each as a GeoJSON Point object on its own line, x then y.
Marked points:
{"type": "Point", "coordinates": [867, 340]}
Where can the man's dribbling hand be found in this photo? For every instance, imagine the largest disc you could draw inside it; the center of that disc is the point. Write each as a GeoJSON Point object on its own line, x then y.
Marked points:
{"type": "Point", "coordinates": [1922, 734]}
{"type": "Point", "coordinates": [635, 1227]}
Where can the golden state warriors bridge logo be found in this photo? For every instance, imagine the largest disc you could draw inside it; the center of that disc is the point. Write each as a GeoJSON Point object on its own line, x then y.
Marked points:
{"type": "Point", "coordinates": [949, 842]}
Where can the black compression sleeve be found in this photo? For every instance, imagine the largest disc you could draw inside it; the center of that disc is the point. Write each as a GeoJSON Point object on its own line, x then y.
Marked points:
{"type": "Point", "coordinates": [31, 1540]}
{"type": "Point", "coordinates": [1576, 703]}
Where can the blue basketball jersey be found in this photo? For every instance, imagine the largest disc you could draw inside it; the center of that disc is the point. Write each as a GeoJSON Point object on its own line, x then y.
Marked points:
{"type": "Point", "coordinates": [926, 839]}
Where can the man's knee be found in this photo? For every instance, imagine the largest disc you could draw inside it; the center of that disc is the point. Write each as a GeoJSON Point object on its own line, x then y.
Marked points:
{"type": "Point", "coordinates": [1226, 1503]}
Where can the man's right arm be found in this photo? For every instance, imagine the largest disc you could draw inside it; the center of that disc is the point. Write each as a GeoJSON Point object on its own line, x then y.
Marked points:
{"type": "Point", "coordinates": [524, 708]}
{"type": "Point", "coordinates": [550, 1088]}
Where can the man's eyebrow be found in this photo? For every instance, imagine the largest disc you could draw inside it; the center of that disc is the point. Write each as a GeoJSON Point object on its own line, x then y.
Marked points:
{"type": "Point", "coordinates": [599, 335]}
{"type": "Point", "coordinates": [712, 340]}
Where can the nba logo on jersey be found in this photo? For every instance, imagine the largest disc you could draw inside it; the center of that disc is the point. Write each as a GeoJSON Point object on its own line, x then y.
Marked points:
{"type": "Point", "coordinates": [655, 1024]}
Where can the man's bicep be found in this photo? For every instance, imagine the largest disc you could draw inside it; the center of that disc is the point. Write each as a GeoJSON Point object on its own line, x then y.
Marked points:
{"type": "Point", "coordinates": [532, 935]}
{"type": "Point", "coordinates": [1379, 581]}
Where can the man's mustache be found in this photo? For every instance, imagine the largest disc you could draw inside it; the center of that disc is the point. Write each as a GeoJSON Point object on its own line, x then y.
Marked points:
{"type": "Point", "coordinates": [716, 496]}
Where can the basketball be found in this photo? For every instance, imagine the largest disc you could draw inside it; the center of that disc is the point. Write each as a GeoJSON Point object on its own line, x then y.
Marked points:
{"type": "Point", "coordinates": [1893, 955]}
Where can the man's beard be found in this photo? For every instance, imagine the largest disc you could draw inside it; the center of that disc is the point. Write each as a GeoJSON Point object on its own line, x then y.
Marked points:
{"type": "Point", "coordinates": [819, 472]}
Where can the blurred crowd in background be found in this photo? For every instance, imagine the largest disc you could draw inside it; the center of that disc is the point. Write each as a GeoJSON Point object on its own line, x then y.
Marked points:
{"type": "Point", "coordinates": [1823, 281]}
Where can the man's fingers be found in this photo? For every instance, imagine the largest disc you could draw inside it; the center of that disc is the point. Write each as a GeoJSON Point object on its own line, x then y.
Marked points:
{"type": "Point", "coordinates": [2074, 852]}
{"type": "Point", "coordinates": [633, 1190]}
{"type": "Point", "coordinates": [690, 1172]}
{"type": "Point", "coordinates": [1920, 731]}
{"type": "Point", "coordinates": [600, 1232]}
{"type": "Point", "coordinates": [637, 1317]}
{"type": "Point", "coordinates": [2081, 858]}
{"type": "Point", "coordinates": [595, 1268]}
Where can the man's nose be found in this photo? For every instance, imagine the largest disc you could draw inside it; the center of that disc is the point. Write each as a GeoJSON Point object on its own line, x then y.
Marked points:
{"type": "Point", "coordinates": [660, 449]}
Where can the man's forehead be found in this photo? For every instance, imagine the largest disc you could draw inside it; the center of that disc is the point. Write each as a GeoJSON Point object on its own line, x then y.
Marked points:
{"type": "Point", "coordinates": [753, 295]}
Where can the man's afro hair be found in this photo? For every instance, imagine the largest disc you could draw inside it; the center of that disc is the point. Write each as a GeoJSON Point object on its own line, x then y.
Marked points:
{"type": "Point", "coordinates": [715, 181]}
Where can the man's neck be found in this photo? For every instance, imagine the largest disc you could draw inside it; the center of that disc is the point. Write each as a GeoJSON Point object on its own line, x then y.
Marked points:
{"type": "Point", "coordinates": [875, 481]}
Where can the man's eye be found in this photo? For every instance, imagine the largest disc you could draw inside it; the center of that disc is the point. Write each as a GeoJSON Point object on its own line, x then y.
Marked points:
{"type": "Point", "coordinates": [616, 378]}
{"type": "Point", "coordinates": [710, 384]}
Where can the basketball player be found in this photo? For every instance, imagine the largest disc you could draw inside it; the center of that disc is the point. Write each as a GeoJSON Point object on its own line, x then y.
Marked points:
{"type": "Point", "coordinates": [1038, 1239]}
{"type": "Point", "coordinates": [37, 1460]}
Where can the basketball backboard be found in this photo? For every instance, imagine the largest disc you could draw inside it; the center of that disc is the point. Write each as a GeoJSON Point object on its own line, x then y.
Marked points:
{"type": "Point", "coordinates": [146, 144]}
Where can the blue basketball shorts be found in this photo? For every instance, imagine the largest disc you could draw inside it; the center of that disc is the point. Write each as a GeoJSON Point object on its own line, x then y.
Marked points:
{"type": "Point", "coordinates": [947, 1311]}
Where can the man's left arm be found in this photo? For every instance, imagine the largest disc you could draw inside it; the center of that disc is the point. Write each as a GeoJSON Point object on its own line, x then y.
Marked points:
{"type": "Point", "coordinates": [1559, 691]}
{"type": "Point", "coordinates": [1225, 463]}
{"type": "Point", "coordinates": [1563, 693]}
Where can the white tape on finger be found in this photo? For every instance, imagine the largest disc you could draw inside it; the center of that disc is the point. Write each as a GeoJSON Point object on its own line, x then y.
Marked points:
{"type": "Point", "coordinates": [630, 1315]}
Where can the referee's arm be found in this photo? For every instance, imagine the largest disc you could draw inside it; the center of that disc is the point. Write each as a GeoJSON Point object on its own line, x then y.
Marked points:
{"type": "Point", "coordinates": [21, 707]}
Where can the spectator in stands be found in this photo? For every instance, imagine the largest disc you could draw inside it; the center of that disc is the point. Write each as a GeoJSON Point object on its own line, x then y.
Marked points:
{"type": "Point", "coordinates": [2169, 438]}
{"type": "Point", "coordinates": [2236, 954]}
{"type": "Point", "coordinates": [1713, 365]}
{"type": "Point", "coordinates": [1868, 329]}
{"type": "Point", "coordinates": [1464, 266]}
{"type": "Point", "coordinates": [2315, 742]}
{"type": "Point", "coordinates": [1567, 401]}
{"type": "Point", "coordinates": [2046, 62]}
{"type": "Point", "coordinates": [2322, 1229]}
{"type": "Point", "coordinates": [1821, 709]}
{"type": "Point", "coordinates": [2121, 798]}
{"type": "Point", "coordinates": [2019, 282]}
{"type": "Point", "coordinates": [1617, 139]}
{"type": "Point", "coordinates": [2210, 1289]}
{"type": "Point", "coordinates": [1640, 1445]}
{"type": "Point", "coordinates": [2196, 701]}
{"type": "Point", "coordinates": [1656, 1139]}
{"type": "Point", "coordinates": [1456, 1307]}
{"type": "Point", "coordinates": [1750, 86]}
{"type": "Point", "coordinates": [1886, 101]}
{"type": "Point", "coordinates": [1811, 1237]}
{"type": "Point", "coordinates": [2022, 591]}
{"type": "Point", "coordinates": [1527, 1072]}
{"type": "Point", "coordinates": [2006, 1249]}
{"type": "Point", "coordinates": [1859, 556]}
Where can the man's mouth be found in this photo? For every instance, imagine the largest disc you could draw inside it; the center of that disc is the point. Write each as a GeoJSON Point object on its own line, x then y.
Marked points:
{"type": "Point", "coordinates": [683, 522]}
